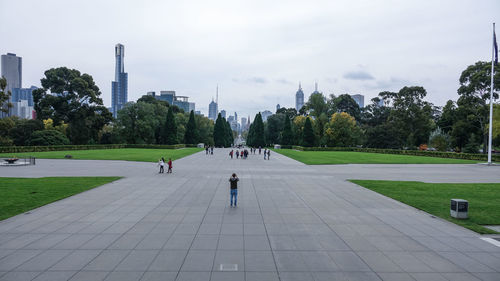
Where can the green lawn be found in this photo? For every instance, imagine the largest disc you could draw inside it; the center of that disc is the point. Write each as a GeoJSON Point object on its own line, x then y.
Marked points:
{"type": "Point", "coordinates": [19, 195]}
{"type": "Point", "coordinates": [351, 157]}
{"type": "Point", "coordinates": [434, 198]}
{"type": "Point", "coordinates": [130, 154]}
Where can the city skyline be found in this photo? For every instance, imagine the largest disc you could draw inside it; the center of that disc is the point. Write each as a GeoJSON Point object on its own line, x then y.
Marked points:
{"type": "Point", "coordinates": [258, 52]}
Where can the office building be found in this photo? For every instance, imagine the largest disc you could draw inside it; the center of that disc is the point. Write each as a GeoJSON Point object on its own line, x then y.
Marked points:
{"type": "Point", "coordinates": [243, 123]}
{"type": "Point", "coordinates": [359, 99]}
{"type": "Point", "coordinates": [299, 99]}
{"type": "Point", "coordinates": [278, 107]}
{"type": "Point", "coordinates": [223, 113]}
{"type": "Point", "coordinates": [12, 70]}
{"type": "Point", "coordinates": [168, 96]}
{"type": "Point", "coordinates": [192, 107]}
{"type": "Point", "coordinates": [265, 114]}
{"type": "Point", "coordinates": [182, 102]}
{"type": "Point", "coordinates": [212, 110]}
{"type": "Point", "coordinates": [119, 87]}
{"type": "Point", "coordinates": [22, 103]}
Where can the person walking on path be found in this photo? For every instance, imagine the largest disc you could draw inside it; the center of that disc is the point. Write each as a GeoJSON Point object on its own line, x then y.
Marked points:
{"type": "Point", "coordinates": [206, 150]}
{"type": "Point", "coordinates": [265, 153]}
{"type": "Point", "coordinates": [233, 180]}
{"type": "Point", "coordinates": [237, 154]}
{"type": "Point", "coordinates": [212, 150]}
{"type": "Point", "coordinates": [169, 166]}
{"type": "Point", "coordinates": [268, 154]}
{"type": "Point", "coordinates": [260, 149]}
{"type": "Point", "coordinates": [161, 163]}
{"type": "Point", "coordinates": [231, 154]}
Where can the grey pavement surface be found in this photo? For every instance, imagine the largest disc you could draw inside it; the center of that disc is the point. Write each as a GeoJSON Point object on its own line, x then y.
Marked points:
{"type": "Point", "coordinates": [293, 222]}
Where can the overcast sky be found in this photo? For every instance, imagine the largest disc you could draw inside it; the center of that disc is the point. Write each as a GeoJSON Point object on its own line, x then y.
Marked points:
{"type": "Point", "coordinates": [257, 51]}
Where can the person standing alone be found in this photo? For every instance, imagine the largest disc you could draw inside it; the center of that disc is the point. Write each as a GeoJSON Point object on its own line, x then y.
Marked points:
{"type": "Point", "coordinates": [234, 189]}
{"type": "Point", "coordinates": [169, 171]}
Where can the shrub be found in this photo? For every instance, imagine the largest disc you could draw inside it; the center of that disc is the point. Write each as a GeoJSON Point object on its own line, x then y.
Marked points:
{"type": "Point", "coordinates": [48, 137]}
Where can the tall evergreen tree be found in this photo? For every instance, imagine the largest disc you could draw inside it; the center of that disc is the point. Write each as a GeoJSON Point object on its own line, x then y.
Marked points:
{"type": "Point", "coordinates": [287, 134]}
{"type": "Point", "coordinates": [229, 133]}
{"type": "Point", "coordinates": [309, 136]}
{"type": "Point", "coordinates": [191, 135]}
{"type": "Point", "coordinates": [219, 132]}
{"type": "Point", "coordinates": [258, 137]}
{"type": "Point", "coordinates": [170, 129]}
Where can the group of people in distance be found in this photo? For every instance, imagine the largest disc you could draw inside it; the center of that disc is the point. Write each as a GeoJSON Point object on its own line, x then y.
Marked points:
{"type": "Point", "coordinates": [209, 150]}
{"type": "Point", "coordinates": [161, 164]}
{"type": "Point", "coordinates": [244, 153]}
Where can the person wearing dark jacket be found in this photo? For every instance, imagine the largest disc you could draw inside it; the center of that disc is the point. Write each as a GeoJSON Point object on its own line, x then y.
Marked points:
{"type": "Point", "coordinates": [234, 189]}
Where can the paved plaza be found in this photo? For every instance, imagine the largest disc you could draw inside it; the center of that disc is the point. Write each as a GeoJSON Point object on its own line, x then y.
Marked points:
{"type": "Point", "coordinates": [293, 222]}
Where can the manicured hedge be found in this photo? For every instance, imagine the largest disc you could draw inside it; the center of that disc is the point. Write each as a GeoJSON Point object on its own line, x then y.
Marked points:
{"type": "Point", "coordinates": [468, 156]}
{"type": "Point", "coordinates": [13, 149]}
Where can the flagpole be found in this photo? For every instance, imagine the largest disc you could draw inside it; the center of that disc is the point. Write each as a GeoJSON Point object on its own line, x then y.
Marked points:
{"type": "Point", "coordinates": [491, 97]}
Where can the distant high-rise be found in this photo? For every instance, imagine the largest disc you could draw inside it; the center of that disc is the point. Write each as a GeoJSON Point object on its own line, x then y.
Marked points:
{"type": "Point", "coordinates": [278, 107]}
{"type": "Point", "coordinates": [12, 70]}
{"type": "Point", "coordinates": [223, 113]}
{"type": "Point", "coordinates": [316, 88]}
{"type": "Point", "coordinates": [299, 99]}
{"type": "Point", "coordinates": [212, 110]}
{"type": "Point", "coordinates": [265, 114]}
{"type": "Point", "coordinates": [359, 99]}
{"type": "Point", "coordinates": [119, 87]}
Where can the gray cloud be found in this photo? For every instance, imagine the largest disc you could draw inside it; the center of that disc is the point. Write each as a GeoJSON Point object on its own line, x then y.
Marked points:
{"type": "Point", "coordinates": [257, 80]}
{"type": "Point", "coordinates": [358, 75]}
{"type": "Point", "coordinates": [284, 81]}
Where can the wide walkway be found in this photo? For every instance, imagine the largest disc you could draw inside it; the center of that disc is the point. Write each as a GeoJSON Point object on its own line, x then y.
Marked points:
{"type": "Point", "coordinates": [293, 222]}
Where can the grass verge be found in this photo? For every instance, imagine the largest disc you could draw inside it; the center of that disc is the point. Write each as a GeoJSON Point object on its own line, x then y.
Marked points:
{"type": "Point", "coordinates": [20, 195]}
{"type": "Point", "coordinates": [129, 154]}
{"type": "Point", "coordinates": [434, 198]}
{"type": "Point", "coordinates": [351, 157]}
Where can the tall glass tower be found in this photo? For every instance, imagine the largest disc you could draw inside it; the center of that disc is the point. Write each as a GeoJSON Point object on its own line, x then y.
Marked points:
{"type": "Point", "coordinates": [119, 87]}
{"type": "Point", "coordinates": [299, 99]}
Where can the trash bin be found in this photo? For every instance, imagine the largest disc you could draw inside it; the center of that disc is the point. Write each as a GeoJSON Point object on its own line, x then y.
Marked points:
{"type": "Point", "coordinates": [459, 208]}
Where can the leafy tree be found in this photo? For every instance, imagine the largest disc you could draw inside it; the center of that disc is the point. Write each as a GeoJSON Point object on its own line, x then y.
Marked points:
{"type": "Point", "coordinates": [205, 129]}
{"type": "Point", "coordinates": [287, 137]}
{"type": "Point", "coordinates": [291, 112]}
{"type": "Point", "coordinates": [229, 133]}
{"type": "Point", "coordinates": [472, 145]}
{"type": "Point", "coordinates": [169, 133]}
{"type": "Point", "coordinates": [48, 137]}
{"type": "Point", "coordinates": [66, 95]}
{"type": "Point", "coordinates": [316, 104]}
{"type": "Point", "coordinates": [110, 135]}
{"type": "Point", "coordinates": [439, 140]}
{"type": "Point", "coordinates": [191, 135]}
{"type": "Point", "coordinates": [345, 103]}
{"type": "Point", "coordinates": [181, 120]}
{"type": "Point", "coordinates": [342, 130]}
{"type": "Point", "coordinates": [309, 138]}
{"type": "Point", "coordinates": [298, 128]}
{"type": "Point", "coordinates": [140, 122]}
{"type": "Point", "coordinates": [410, 114]}
{"type": "Point", "coordinates": [474, 92]}
{"type": "Point", "coordinates": [23, 130]}
{"type": "Point", "coordinates": [448, 117]}
{"type": "Point", "coordinates": [153, 100]}
{"type": "Point", "coordinates": [273, 127]}
{"type": "Point", "coordinates": [6, 124]}
{"type": "Point", "coordinates": [5, 105]}
{"type": "Point", "coordinates": [383, 136]}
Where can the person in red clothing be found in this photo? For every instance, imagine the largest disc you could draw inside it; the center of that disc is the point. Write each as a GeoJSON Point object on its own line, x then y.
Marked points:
{"type": "Point", "coordinates": [169, 166]}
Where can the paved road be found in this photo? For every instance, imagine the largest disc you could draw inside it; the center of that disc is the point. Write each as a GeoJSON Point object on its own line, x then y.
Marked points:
{"type": "Point", "coordinates": [293, 222]}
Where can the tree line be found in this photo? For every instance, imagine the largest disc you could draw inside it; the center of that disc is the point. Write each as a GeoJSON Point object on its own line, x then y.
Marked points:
{"type": "Point", "coordinates": [69, 110]}
{"type": "Point", "coordinates": [395, 120]}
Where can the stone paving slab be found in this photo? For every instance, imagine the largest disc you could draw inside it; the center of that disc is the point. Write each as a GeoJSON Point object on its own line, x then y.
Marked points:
{"type": "Point", "coordinates": [293, 222]}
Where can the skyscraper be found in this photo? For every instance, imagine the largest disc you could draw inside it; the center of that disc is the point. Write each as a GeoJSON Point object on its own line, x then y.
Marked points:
{"type": "Point", "coordinates": [212, 110]}
{"type": "Point", "coordinates": [12, 70]}
{"type": "Point", "coordinates": [359, 99]}
{"type": "Point", "coordinates": [223, 113]}
{"type": "Point", "coordinates": [299, 99]}
{"type": "Point", "coordinates": [119, 87]}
